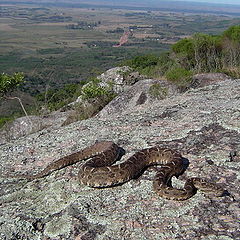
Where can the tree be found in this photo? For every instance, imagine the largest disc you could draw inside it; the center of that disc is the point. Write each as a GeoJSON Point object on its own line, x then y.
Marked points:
{"type": "Point", "coordinates": [180, 76]}
{"type": "Point", "coordinates": [231, 46]}
{"type": "Point", "coordinates": [184, 50]}
{"type": "Point", "coordinates": [8, 84]}
{"type": "Point", "coordinates": [207, 51]}
{"type": "Point", "coordinates": [233, 33]}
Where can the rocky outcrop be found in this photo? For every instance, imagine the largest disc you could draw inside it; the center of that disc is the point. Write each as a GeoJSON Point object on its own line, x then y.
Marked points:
{"type": "Point", "coordinates": [26, 125]}
{"type": "Point", "coordinates": [143, 92]}
{"type": "Point", "coordinates": [205, 79]}
{"type": "Point", "coordinates": [201, 123]}
{"type": "Point", "coordinates": [124, 82]}
{"type": "Point", "coordinates": [120, 78]}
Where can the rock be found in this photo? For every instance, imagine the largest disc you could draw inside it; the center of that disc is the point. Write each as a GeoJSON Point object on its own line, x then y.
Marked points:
{"type": "Point", "coordinates": [131, 93]}
{"type": "Point", "coordinates": [120, 78]}
{"type": "Point", "coordinates": [204, 79]}
{"type": "Point", "coordinates": [202, 123]}
{"type": "Point", "coordinates": [26, 125]}
{"type": "Point", "coordinates": [115, 80]}
{"type": "Point", "coordinates": [143, 92]}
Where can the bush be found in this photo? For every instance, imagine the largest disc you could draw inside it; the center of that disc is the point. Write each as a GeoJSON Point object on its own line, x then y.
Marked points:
{"type": "Point", "coordinates": [164, 64]}
{"type": "Point", "coordinates": [91, 106]}
{"type": "Point", "coordinates": [94, 97]}
{"type": "Point", "coordinates": [140, 63]}
{"type": "Point", "coordinates": [4, 120]}
{"type": "Point", "coordinates": [179, 76]}
{"type": "Point", "coordinates": [157, 91]}
{"type": "Point", "coordinates": [9, 83]}
{"type": "Point", "coordinates": [231, 47]}
{"type": "Point", "coordinates": [233, 33]}
{"type": "Point", "coordinates": [184, 51]}
{"type": "Point", "coordinates": [57, 98]}
{"type": "Point", "coordinates": [93, 90]}
{"type": "Point", "coordinates": [184, 46]}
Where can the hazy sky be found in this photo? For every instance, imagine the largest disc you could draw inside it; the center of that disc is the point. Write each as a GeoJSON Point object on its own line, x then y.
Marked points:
{"type": "Point", "coordinates": [216, 1]}
{"type": "Point", "coordinates": [159, 1]}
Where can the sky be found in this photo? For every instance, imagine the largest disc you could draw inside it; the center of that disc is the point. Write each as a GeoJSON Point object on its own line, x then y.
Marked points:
{"type": "Point", "coordinates": [215, 1]}
{"type": "Point", "coordinates": [236, 2]}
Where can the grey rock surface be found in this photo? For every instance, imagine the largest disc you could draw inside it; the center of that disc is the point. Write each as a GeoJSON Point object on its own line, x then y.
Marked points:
{"type": "Point", "coordinates": [144, 92]}
{"type": "Point", "coordinates": [120, 78]}
{"type": "Point", "coordinates": [117, 80]}
{"type": "Point", "coordinates": [204, 79]}
{"type": "Point", "coordinates": [203, 123]}
{"type": "Point", "coordinates": [26, 125]}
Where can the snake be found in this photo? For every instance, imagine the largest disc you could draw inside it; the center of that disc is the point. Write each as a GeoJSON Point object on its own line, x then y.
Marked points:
{"type": "Point", "coordinates": [100, 170]}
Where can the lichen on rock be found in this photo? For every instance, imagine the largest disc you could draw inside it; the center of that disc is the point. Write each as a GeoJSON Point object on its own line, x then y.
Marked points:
{"type": "Point", "coordinates": [202, 123]}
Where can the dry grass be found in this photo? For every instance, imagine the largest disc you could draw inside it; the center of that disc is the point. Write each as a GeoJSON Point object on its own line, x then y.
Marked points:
{"type": "Point", "coordinates": [5, 27]}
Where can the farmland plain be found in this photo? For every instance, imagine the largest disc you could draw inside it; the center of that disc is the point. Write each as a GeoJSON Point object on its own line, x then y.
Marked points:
{"type": "Point", "coordinates": [55, 45]}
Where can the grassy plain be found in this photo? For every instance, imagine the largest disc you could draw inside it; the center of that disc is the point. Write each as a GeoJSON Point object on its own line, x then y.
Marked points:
{"type": "Point", "coordinates": [54, 46]}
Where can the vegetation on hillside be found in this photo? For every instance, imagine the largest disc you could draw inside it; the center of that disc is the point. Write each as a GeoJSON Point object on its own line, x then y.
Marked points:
{"type": "Point", "coordinates": [94, 97]}
{"type": "Point", "coordinates": [53, 99]}
{"type": "Point", "coordinates": [198, 54]}
{"type": "Point", "coordinates": [8, 83]}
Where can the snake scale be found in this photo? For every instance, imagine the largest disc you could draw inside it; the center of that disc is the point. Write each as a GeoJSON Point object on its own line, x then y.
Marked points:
{"type": "Point", "coordinates": [99, 172]}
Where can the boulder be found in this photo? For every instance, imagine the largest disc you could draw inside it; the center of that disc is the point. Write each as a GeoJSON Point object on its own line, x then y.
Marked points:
{"type": "Point", "coordinates": [204, 79]}
{"type": "Point", "coordinates": [120, 78]}
{"type": "Point", "coordinates": [26, 125]}
{"type": "Point", "coordinates": [143, 92]}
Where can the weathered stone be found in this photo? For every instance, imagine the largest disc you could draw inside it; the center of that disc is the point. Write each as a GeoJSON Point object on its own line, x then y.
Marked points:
{"type": "Point", "coordinates": [204, 79]}
{"type": "Point", "coordinates": [26, 125]}
{"type": "Point", "coordinates": [201, 123]}
{"type": "Point", "coordinates": [120, 78]}
{"type": "Point", "coordinates": [145, 91]}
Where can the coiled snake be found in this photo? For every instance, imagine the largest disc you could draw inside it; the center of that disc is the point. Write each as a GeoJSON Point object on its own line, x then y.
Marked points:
{"type": "Point", "coordinates": [99, 171]}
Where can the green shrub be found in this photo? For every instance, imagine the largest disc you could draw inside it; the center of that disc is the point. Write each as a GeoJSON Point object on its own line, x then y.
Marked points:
{"type": "Point", "coordinates": [57, 98]}
{"type": "Point", "coordinates": [184, 46]}
{"type": "Point", "coordinates": [87, 109]}
{"type": "Point", "coordinates": [184, 51]}
{"type": "Point", "coordinates": [4, 120]}
{"type": "Point", "coordinates": [157, 91]}
{"type": "Point", "coordinates": [165, 62]}
{"type": "Point", "coordinates": [142, 63]}
{"type": "Point", "coordinates": [179, 76]}
{"type": "Point", "coordinates": [8, 83]}
{"type": "Point", "coordinates": [233, 33]}
{"type": "Point", "coordinates": [95, 98]}
{"type": "Point", "coordinates": [94, 90]}
{"type": "Point", "coordinates": [231, 48]}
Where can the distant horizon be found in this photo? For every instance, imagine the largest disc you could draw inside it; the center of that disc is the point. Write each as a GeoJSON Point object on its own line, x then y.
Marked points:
{"type": "Point", "coordinates": [232, 2]}
{"type": "Point", "coordinates": [115, 2]}
{"type": "Point", "coordinates": [192, 6]}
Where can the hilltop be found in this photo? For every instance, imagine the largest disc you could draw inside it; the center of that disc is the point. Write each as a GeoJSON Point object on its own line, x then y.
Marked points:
{"type": "Point", "coordinates": [202, 123]}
